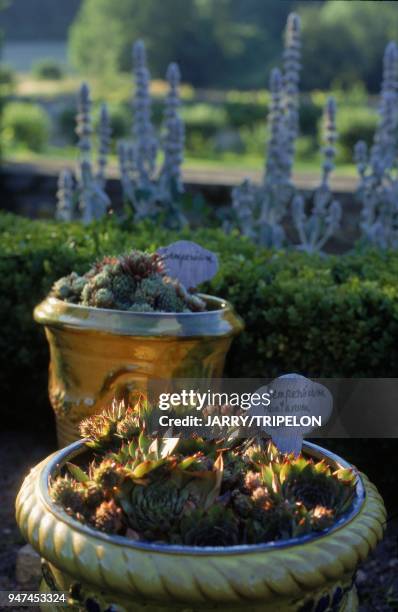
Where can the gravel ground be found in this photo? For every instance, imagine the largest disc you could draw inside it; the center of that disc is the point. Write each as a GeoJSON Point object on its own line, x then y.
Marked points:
{"type": "Point", "coordinates": [377, 579]}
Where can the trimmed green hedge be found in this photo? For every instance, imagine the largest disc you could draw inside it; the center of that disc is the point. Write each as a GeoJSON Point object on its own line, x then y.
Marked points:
{"type": "Point", "coordinates": [24, 123]}
{"type": "Point", "coordinates": [335, 316]}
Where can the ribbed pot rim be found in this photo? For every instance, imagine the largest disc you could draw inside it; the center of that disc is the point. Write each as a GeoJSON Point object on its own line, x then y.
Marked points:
{"type": "Point", "coordinates": [221, 321]}
{"type": "Point", "coordinates": [314, 450]}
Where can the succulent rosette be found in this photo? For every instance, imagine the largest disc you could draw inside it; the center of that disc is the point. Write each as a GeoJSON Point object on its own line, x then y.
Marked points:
{"type": "Point", "coordinates": [196, 492]}
{"type": "Point", "coordinates": [136, 282]}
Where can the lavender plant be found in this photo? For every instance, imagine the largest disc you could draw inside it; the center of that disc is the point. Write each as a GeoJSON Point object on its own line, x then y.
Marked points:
{"type": "Point", "coordinates": [193, 491]}
{"type": "Point", "coordinates": [316, 228]}
{"type": "Point", "coordinates": [378, 177]}
{"type": "Point", "coordinates": [151, 192]}
{"type": "Point", "coordinates": [291, 79]}
{"type": "Point", "coordinates": [82, 196]}
{"type": "Point", "coordinates": [170, 179]}
{"type": "Point", "coordinates": [259, 210]}
{"type": "Point", "coordinates": [65, 196]}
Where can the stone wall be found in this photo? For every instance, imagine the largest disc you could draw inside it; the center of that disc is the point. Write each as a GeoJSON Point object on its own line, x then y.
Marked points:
{"type": "Point", "coordinates": [28, 189]}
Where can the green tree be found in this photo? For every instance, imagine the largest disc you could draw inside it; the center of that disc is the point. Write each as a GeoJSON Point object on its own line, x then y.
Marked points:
{"type": "Point", "coordinates": [234, 43]}
{"type": "Point", "coordinates": [37, 19]}
{"type": "Point", "coordinates": [343, 42]}
{"type": "Point", "coordinates": [3, 71]}
{"type": "Point", "coordinates": [217, 43]}
{"type": "Point", "coordinates": [101, 37]}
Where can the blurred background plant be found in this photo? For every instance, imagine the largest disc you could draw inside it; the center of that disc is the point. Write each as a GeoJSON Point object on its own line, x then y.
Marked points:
{"type": "Point", "coordinates": [153, 190]}
{"type": "Point", "coordinates": [258, 211]}
{"type": "Point", "coordinates": [25, 124]}
{"type": "Point", "coordinates": [81, 195]}
{"type": "Point", "coordinates": [215, 124]}
{"type": "Point", "coordinates": [47, 70]}
{"type": "Point", "coordinates": [378, 165]}
{"type": "Point", "coordinates": [225, 51]}
{"type": "Point", "coordinates": [316, 227]}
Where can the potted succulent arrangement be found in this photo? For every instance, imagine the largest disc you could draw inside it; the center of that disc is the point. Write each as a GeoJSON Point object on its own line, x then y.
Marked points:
{"type": "Point", "coordinates": [128, 521]}
{"type": "Point", "coordinates": [127, 320]}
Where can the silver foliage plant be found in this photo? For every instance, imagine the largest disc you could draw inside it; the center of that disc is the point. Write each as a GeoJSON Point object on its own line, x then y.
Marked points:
{"type": "Point", "coordinates": [377, 167]}
{"type": "Point", "coordinates": [260, 209]}
{"type": "Point", "coordinates": [317, 227]}
{"type": "Point", "coordinates": [81, 195]}
{"type": "Point", "coordinates": [153, 192]}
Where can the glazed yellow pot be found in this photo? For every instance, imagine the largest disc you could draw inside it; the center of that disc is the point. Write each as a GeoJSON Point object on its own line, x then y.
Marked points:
{"type": "Point", "coordinates": [97, 355]}
{"type": "Point", "coordinates": [104, 572]}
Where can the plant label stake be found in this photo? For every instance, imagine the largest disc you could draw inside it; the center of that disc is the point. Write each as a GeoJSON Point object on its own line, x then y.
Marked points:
{"type": "Point", "coordinates": [300, 406]}
{"type": "Point", "coordinates": [190, 263]}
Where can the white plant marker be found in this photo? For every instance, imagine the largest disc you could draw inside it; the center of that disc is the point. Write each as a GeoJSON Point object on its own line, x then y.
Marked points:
{"type": "Point", "coordinates": [188, 262]}
{"type": "Point", "coordinates": [294, 395]}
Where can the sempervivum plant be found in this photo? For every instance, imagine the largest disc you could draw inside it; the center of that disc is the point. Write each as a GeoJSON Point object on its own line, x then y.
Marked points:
{"type": "Point", "coordinates": [135, 282]}
{"type": "Point", "coordinates": [193, 491]}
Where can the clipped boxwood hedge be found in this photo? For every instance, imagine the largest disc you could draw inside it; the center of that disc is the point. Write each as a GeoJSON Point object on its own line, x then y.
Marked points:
{"type": "Point", "coordinates": [330, 317]}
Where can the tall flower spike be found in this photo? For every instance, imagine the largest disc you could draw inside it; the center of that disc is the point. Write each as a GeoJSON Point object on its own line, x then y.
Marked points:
{"type": "Point", "coordinates": [316, 228]}
{"type": "Point", "coordinates": [64, 207]}
{"type": "Point", "coordinates": [276, 129]}
{"type": "Point", "coordinates": [84, 131]}
{"type": "Point", "coordinates": [361, 157]}
{"type": "Point", "coordinates": [150, 193]}
{"type": "Point", "coordinates": [87, 189]}
{"type": "Point", "coordinates": [93, 201]}
{"type": "Point", "coordinates": [299, 217]}
{"type": "Point", "coordinates": [104, 137]}
{"type": "Point", "coordinates": [291, 79]}
{"type": "Point", "coordinates": [143, 131]}
{"type": "Point", "coordinates": [125, 153]}
{"type": "Point", "coordinates": [173, 143]}
{"type": "Point", "coordinates": [384, 147]}
{"type": "Point", "coordinates": [83, 121]}
{"type": "Point", "coordinates": [173, 101]}
{"type": "Point", "coordinates": [390, 75]}
{"type": "Point", "coordinates": [243, 203]}
{"type": "Point", "coordinates": [330, 138]}
{"type": "Point", "coordinates": [270, 200]}
{"type": "Point", "coordinates": [378, 183]}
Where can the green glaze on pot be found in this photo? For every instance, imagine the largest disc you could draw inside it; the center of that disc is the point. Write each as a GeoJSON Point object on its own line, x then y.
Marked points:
{"type": "Point", "coordinates": [303, 575]}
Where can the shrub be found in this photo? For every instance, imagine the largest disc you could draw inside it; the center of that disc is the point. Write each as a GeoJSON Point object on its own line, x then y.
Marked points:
{"type": "Point", "coordinates": [66, 124]}
{"type": "Point", "coordinates": [335, 316]}
{"type": "Point", "coordinates": [48, 69]}
{"type": "Point", "coordinates": [306, 147]}
{"type": "Point", "coordinates": [254, 139]}
{"type": "Point", "coordinates": [7, 77]}
{"type": "Point", "coordinates": [245, 114]}
{"type": "Point", "coordinates": [26, 124]}
{"type": "Point", "coordinates": [310, 114]}
{"type": "Point", "coordinates": [355, 124]}
{"type": "Point", "coordinates": [120, 121]}
{"type": "Point", "coordinates": [329, 317]}
{"type": "Point", "coordinates": [207, 117]}
{"type": "Point", "coordinates": [7, 83]}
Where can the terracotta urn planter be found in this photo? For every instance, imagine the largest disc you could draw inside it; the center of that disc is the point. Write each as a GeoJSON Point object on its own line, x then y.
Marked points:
{"type": "Point", "coordinates": [98, 354]}
{"type": "Point", "coordinates": [313, 573]}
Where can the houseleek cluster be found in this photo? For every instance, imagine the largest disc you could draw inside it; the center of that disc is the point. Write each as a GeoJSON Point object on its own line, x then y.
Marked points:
{"type": "Point", "coordinates": [196, 492]}
{"type": "Point", "coordinates": [136, 282]}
